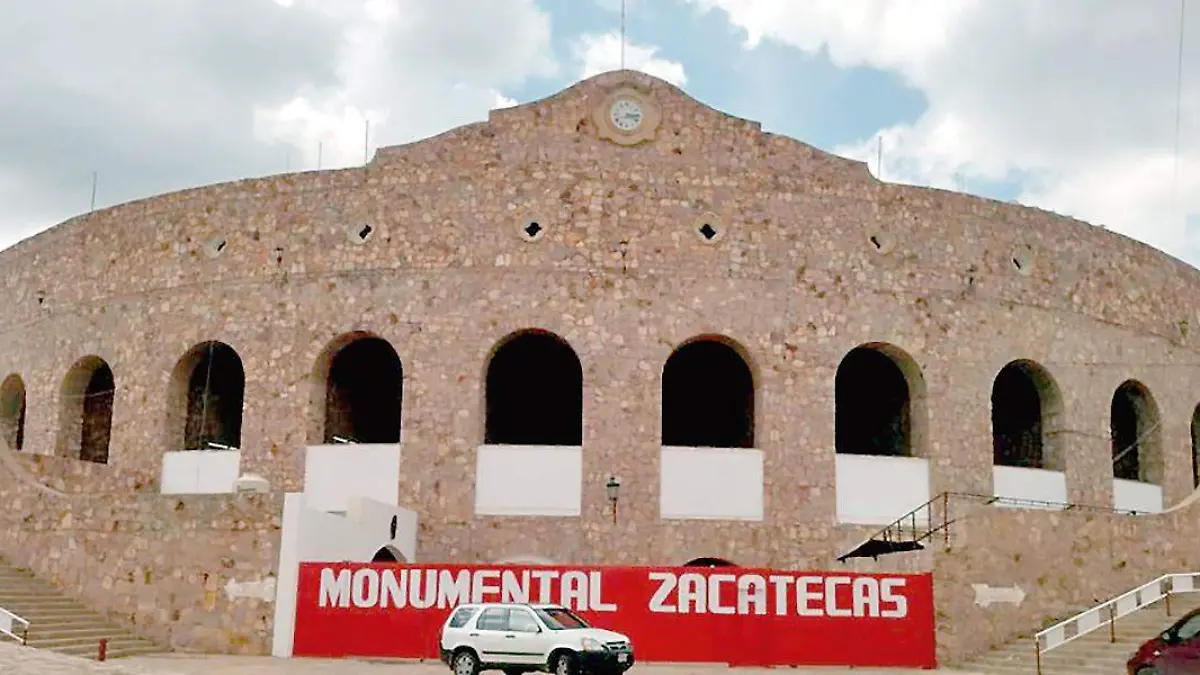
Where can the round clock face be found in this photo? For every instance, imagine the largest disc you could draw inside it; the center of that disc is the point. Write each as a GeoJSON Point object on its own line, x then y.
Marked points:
{"type": "Point", "coordinates": [626, 114]}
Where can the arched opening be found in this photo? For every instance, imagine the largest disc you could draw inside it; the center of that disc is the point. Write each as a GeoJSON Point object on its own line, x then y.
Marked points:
{"type": "Point", "coordinates": [362, 391]}
{"type": "Point", "coordinates": [206, 393]}
{"type": "Point", "coordinates": [388, 554]}
{"type": "Point", "coordinates": [1135, 433]}
{"type": "Point", "coordinates": [86, 408]}
{"type": "Point", "coordinates": [878, 391]}
{"type": "Point", "coordinates": [707, 396]}
{"type": "Point", "coordinates": [12, 411]}
{"type": "Point", "coordinates": [1196, 447]}
{"type": "Point", "coordinates": [534, 392]}
{"type": "Point", "coordinates": [1025, 408]}
{"type": "Point", "coordinates": [708, 562]}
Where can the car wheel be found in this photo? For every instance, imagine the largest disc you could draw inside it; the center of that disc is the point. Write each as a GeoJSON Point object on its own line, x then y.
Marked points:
{"type": "Point", "coordinates": [465, 663]}
{"type": "Point", "coordinates": [564, 664]}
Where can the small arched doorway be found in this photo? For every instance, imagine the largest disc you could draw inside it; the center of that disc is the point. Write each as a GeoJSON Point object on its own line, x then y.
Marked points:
{"type": "Point", "coordinates": [388, 554]}
{"type": "Point", "coordinates": [708, 562]}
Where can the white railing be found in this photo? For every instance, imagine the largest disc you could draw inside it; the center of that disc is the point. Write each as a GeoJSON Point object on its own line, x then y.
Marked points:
{"type": "Point", "coordinates": [13, 626]}
{"type": "Point", "coordinates": [1107, 612]}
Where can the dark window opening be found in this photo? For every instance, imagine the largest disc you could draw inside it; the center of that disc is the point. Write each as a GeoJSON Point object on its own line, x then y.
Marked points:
{"type": "Point", "coordinates": [707, 397]}
{"type": "Point", "coordinates": [12, 411]}
{"type": "Point", "coordinates": [215, 389]}
{"type": "Point", "coordinates": [87, 400]}
{"type": "Point", "coordinates": [1017, 427]}
{"type": "Point", "coordinates": [1132, 423]}
{"type": "Point", "coordinates": [534, 393]}
{"type": "Point", "coordinates": [364, 393]}
{"type": "Point", "coordinates": [708, 562]}
{"type": "Point", "coordinates": [872, 405]}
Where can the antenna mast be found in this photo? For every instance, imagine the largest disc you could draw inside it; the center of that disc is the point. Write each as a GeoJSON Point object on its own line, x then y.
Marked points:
{"type": "Point", "coordinates": [622, 34]}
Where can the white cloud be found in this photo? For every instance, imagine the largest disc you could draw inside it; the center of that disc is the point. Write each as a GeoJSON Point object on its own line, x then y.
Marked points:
{"type": "Point", "coordinates": [159, 96]}
{"type": "Point", "coordinates": [602, 53]}
{"type": "Point", "coordinates": [1075, 96]}
{"type": "Point", "coordinates": [414, 69]}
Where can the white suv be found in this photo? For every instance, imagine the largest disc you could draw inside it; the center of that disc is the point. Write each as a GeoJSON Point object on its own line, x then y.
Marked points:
{"type": "Point", "coordinates": [520, 638]}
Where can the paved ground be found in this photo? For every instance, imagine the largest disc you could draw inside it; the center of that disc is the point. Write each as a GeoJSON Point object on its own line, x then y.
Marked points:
{"type": "Point", "coordinates": [25, 661]}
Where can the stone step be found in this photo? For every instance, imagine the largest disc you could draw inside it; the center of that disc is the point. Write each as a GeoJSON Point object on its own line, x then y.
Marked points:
{"type": "Point", "coordinates": [1095, 653]}
{"type": "Point", "coordinates": [62, 624]}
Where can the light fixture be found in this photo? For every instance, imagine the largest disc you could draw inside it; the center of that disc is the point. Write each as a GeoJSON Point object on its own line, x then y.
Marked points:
{"type": "Point", "coordinates": [613, 490]}
{"type": "Point", "coordinates": [213, 445]}
{"type": "Point", "coordinates": [341, 439]}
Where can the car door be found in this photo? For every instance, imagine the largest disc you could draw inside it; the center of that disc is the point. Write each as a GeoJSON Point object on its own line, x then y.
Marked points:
{"type": "Point", "coordinates": [1182, 655]}
{"type": "Point", "coordinates": [525, 637]}
{"type": "Point", "coordinates": [488, 637]}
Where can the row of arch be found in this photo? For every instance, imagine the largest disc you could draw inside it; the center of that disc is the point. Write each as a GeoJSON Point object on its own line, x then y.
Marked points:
{"type": "Point", "coordinates": [534, 396]}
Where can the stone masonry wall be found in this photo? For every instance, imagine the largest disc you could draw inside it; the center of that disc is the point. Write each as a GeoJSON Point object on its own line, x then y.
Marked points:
{"type": "Point", "coordinates": [1065, 562]}
{"type": "Point", "coordinates": [158, 565]}
{"type": "Point", "coordinates": [815, 258]}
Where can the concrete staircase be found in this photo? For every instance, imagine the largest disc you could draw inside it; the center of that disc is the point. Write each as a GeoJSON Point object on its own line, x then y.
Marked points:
{"type": "Point", "coordinates": [1092, 654]}
{"type": "Point", "coordinates": [61, 624]}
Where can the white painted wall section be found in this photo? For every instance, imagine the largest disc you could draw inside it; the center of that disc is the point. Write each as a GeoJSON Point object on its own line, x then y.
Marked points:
{"type": "Point", "coordinates": [529, 480]}
{"type": "Point", "coordinates": [1023, 483]}
{"type": "Point", "coordinates": [877, 490]}
{"type": "Point", "coordinates": [315, 535]}
{"type": "Point", "coordinates": [711, 484]}
{"type": "Point", "coordinates": [200, 472]}
{"type": "Point", "coordinates": [333, 474]}
{"type": "Point", "coordinates": [1137, 496]}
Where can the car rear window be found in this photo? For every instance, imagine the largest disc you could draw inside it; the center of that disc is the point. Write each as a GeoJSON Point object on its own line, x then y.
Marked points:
{"type": "Point", "coordinates": [461, 616]}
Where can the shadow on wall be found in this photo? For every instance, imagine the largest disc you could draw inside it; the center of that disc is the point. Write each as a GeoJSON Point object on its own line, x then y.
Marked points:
{"type": "Point", "coordinates": [1064, 562]}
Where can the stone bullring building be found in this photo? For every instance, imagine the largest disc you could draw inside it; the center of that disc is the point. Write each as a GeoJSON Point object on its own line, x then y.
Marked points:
{"type": "Point", "coordinates": [610, 326]}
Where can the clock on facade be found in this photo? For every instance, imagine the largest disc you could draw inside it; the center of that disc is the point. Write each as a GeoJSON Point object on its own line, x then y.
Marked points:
{"type": "Point", "coordinates": [626, 114]}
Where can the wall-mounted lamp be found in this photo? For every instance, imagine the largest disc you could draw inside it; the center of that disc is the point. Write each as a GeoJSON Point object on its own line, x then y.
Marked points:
{"type": "Point", "coordinates": [613, 490]}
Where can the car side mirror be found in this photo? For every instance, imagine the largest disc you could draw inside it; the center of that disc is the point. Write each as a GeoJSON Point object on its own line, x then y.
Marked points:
{"type": "Point", "coordinates": [1169, 637]}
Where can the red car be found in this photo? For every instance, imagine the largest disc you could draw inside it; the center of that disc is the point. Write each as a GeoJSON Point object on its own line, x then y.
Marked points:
{"type": "Point", "coordinates": [1175, 652]}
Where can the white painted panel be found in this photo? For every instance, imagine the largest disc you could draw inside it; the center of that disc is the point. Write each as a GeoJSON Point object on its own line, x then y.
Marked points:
{"type": "Point", "coordinates": [529, 480]}
{"type": "Point", "coordinates": [200, 472]}
{"type": "Point", "coordinates": [711, 484]}
{"type": "Point", "coordinates": [877, 490]}
{"type": "Point", "coordinates": [333, 474]}
{"type": "Point", "coordinates": [1023, 483]}
{"type": "Point", "coordinates": [312, 535]}
{"type": "Point", "coordinates": [1137, 496]}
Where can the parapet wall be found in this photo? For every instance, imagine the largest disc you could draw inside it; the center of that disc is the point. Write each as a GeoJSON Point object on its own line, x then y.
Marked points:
{"type": "Point", "coordinates": [158, 565]}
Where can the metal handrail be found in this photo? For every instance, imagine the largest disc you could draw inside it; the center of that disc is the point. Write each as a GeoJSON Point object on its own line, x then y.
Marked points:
{"type": "Point", "coordinates": [906, 528]}
{"type": "Point", "coordinates": [9, 621]}
{"type": "Point", "coordinates": [1106, 613]}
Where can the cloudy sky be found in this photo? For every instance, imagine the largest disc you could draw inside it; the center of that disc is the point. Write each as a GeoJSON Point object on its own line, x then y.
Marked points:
{"type": "Point", "coordinates": [1065, 104]}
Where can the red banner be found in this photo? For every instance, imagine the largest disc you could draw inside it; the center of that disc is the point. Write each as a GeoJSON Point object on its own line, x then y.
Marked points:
{"type": "Point", "coordinates": [733, 615]}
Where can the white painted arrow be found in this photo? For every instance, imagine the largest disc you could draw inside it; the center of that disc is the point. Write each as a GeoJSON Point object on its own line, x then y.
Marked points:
{"type": "Point", "coordinates": [261, 590]}
{"type": "Point", "coordinates": [990, 595]}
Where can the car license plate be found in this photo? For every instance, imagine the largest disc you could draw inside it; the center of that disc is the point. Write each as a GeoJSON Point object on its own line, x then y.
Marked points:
{"type": "Point", "coordinates": [622, 658]}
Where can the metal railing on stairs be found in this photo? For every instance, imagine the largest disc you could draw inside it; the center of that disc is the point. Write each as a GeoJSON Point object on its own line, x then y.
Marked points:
{"type": "Point", "coordinates": [14, 626]}
{"type": "Point", "coordinates": [1107, 612]}
{"type": "Point", "coordinates": [934, 518]}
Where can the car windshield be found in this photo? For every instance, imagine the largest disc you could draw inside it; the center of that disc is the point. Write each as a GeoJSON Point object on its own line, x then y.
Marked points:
{"type": "Point", "coordinates": [558, 618]}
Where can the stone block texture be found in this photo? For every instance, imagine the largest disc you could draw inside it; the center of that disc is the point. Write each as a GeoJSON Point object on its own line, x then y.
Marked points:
{"type": "Point", "coordinates": [809, 257]}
